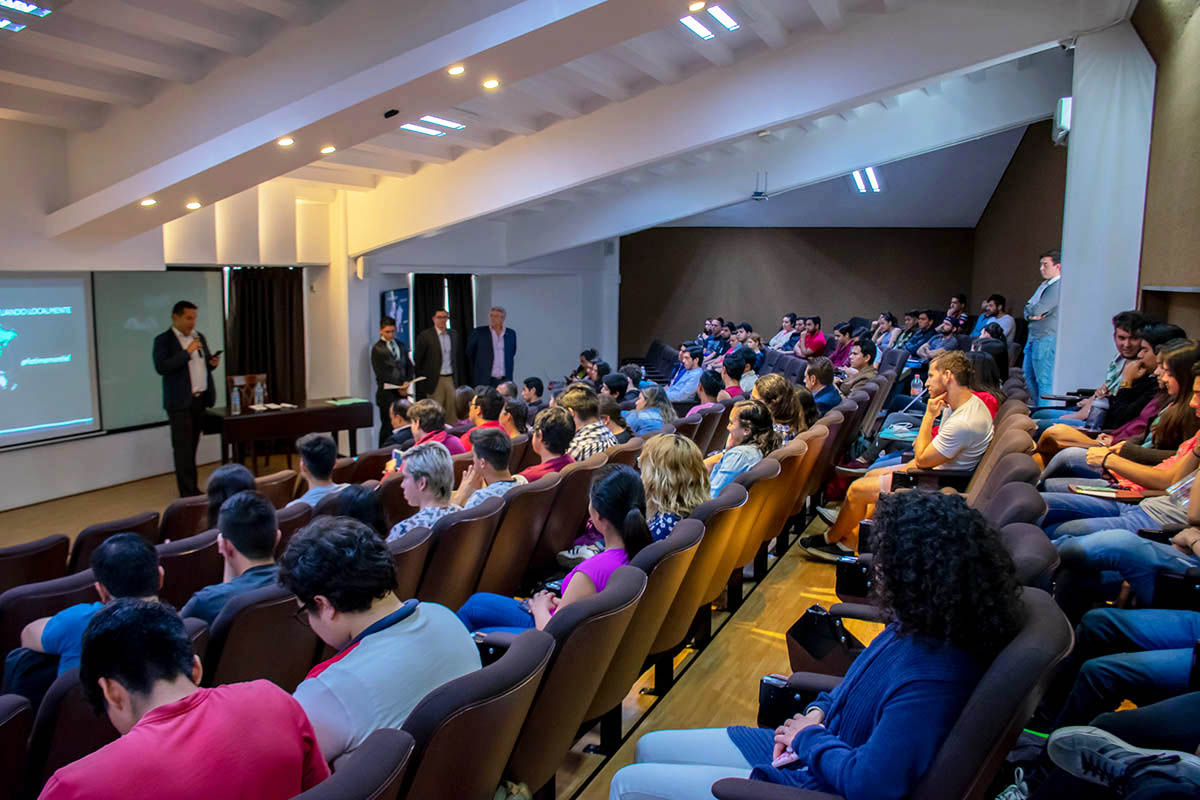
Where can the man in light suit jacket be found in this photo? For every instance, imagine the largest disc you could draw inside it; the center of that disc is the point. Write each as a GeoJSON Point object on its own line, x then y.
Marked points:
{"type": "Point", "coordinates": [391, 365]}
{"type": "Point", "coordinates": [439, 359]}
{"type": "Point", "coordinates": [491, 349]}
{"type": "Point", "coordinates": [182, 357]}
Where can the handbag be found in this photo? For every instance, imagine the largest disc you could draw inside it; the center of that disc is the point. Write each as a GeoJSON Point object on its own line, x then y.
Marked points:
{"type": "Point", "coordinates": [819, 642]}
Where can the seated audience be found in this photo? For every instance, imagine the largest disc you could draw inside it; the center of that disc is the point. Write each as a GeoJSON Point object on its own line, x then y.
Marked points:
{"type": "Point", "coordinates": [920, 335]}
{"type": "Point", "coordinates": [247, 535]}
{"type": "Point", "coordinates": [125, 565]}
{"type": "Point", "coordinates": [617, 508]}
{"type": "Point", "coordinates": [585, 361]}
{"type": "Point", "coordinates": [755, 356]}
{"type": "Point", "coordinates": [637, 380]}
{"type": "Point", "coordinates": [811, 343]}
{"type": "Point", "coordinates": [675, 480]}
{"type": "Point", "coordinates": [178, 740]}
{"type": "Point", "coordinates": [428, 475]}
{"type": "Point", "coordinates": [484, 413]}
{"type": "Point", "coordinates": [402, 435]}
{"type": "Point", "coordinates": [708, 392]}
{"type": "Point", "coordinates": [860, 368]}
{"type": "Point", "coordinates": [616, 386]}
{"type": "Point", "coordinates": [390, 653]}
{"type": "Point", "coordinates": [752, 437]}
{"type": "Point", "coordinates": [963, 436]}
{"type": "Point", "coordinates": [597, 372]}
{"type": "Point", "coordinates": [911, 326]}
{"type": "Point", "coordinates": [944, 340]}
{"type": "Point", "coordinates": [997, 348]}
{"type": "Point", "coordinates": [877, 733]}
{"type": "Point", "coordinates": [787, 325]}
{"type": "Point", "coordinates": [488, 475]}
{"type": "Point", "coordinates": [318, 454]}
{"type": "Point", "coordinates": [507, 390]}
{"type": "Point", "coordinates": [843, 339]}
{"type": "Point", "coordinates": [611, 415]}
{"type": "Point", "coordinates": [361, 503]}
{"type": "Point", "coordinates": [653, 410]}
{"type": "Point", "coordinates": [886, 329]}
{"type": "Point", "coordinates": [995, 312]}
{"type": "Point", "coordinates": [683, 386]}
{"type": "Point", "coordinates": [732, 367]}
{"type": "Point", "coordinates": [514, 418]}
{"type": "Point", "coordinates": [226, 481]}
{"type": "Point", "coordinates": [429, 425]}
{"type": "Point", "coordinates": [818, 379]}
{"type": "Point", "coordinates": [591, 436]}
{"type": "Point", "coordinates": [721, 345]}
{"type": "Point", "coordinates": [551, 437]}
{"type": "Point", "coordinates": [532, 393]}
{"type": "Point", "coordinates": [781, 398]}
{"type": "Point", "coordinates": [958, 310]}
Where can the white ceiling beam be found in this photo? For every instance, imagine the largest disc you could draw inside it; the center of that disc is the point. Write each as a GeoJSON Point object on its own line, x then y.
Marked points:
{"type": "Point", "coordinates": [49, 75]}
{"type": "Point", "coordinates": [765, 24]}
{"type": "Point", "coordinates": [344, 179]}
{"type": "Point", "coordinates": [644, 58]}
{"type": "Point", "coordinates": [549, 99]}
{"type": "Point", "coordinates": [79, 41]}
{"type": "Point", "coordinates": [591, 80]}
{"type": "Point", "coordinates": [713, 50]}
{"type": "Point", "coordinates": [473, 137]}
{"type": "Point", "coordinates": [28, 105]}
{"type": "Point", "coordinates": [830, 13]}
{"type": "Point", "coordinates": [290, 10]}
{"type": "Point", "coordinates": [507, 120]}
{"type": "Point", "coordinates": [375, 162]}
{"type": "Point", "coordinates": [399, 146]}
{"type": "Point", "coordinates": [172, 19]}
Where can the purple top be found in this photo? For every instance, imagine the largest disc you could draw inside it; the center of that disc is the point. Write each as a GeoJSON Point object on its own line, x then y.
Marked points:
{"type": "Point", "coordinates": [599, 568]}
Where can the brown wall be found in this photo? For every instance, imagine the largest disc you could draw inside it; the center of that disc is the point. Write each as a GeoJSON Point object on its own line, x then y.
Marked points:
{"type": "Point", "coordinates": [671, 278]}
{"type": "Point", "coordinates": [1022, 220]}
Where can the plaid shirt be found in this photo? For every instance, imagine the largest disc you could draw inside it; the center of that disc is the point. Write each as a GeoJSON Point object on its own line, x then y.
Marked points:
{"type": "Point", "coordinates": [591, 439]}
{"type": "Point", "coordinates": [422, 519]}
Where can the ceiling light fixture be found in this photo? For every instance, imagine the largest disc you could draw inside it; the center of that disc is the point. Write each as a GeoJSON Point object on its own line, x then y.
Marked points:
{"type": "Point", "coordinates": [445, 123]}
{"type": "Point", "coordinates": [192, 206]}
{"type": "Point", "coordinates": [491, 83]}
{"type": "Point", "coordinates": [327, 149]}
{"type": "Point", "coordinates": [8, 25]}
{"type": "Point", "coordinates": [858, 181]}
{"type": "Point", "coordinates": [874, 181]}
{"type": "Point", "coordinates": [720, 16]}
{"type": "Point", "coordinates": [286, 141]}
{"type": "Point", "coordinates": [456, 70]}
{"type": "Point", "coordinates": [25, 8]}
{"type": "Point", "coordinates": [149, 201]}
{"type": "Point", "coordinates": [697, 6]}
{"type": "Point", "coordinates": [409, 126]}
{"type": "Point", "coordinates": [695, 26]}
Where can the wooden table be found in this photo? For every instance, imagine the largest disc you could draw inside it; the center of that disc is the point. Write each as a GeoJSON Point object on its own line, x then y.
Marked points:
{"type": "Point", "coordinates": [289, 423]}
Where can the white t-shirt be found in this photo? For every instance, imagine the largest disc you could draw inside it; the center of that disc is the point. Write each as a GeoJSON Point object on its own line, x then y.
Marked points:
{"type": "Point", "coordinates": [964, 435]}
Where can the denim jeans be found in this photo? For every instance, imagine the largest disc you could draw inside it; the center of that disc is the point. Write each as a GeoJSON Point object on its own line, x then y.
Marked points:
{"type": "Point", "coordinates": [680, 764]}
{"type": "Point", "coordinates": [1063, 485]}
{"type": "Point", "coordinates": [489, 612]}
{"type": "Point", "coordinates": [1123, 555]}
{"type": "Point", "coordinates": [1070, 514]}
{"type": "Point", "coordinates": [1070, 462]}
{"type": "Point", "coordinates": [1039, 367]}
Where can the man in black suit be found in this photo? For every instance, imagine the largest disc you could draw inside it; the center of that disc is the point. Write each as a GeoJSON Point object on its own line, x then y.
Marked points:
{"type": "Point", "coordinates": [439, 359]}
{"type": "Point", "coordinates": [392, 367]}
{"type": "Point", "coordinates": [182, 357]}
{"type": "Point", "coordinates": [491, 349]}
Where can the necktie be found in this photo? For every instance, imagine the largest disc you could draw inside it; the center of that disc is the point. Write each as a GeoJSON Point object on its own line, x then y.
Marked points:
{"type": "Point", "coordinates": [395, 350]}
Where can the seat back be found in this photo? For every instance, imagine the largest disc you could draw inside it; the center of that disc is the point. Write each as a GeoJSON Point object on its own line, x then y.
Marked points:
{"type": "Point", "coordinates": [461, 462]}
{"type": "Point", "coordinates": [65, 729]}
{"type": "Point", "coordinates": [665, 563]}
{"type": "Point", "coordinates": [719, 517]}
{"type": "Point", "coordinates": [805, 481]}
{"type": "Point", "coordinates": [1011, 468]}
{"type": "Point", "coordinates": [519, 446]}
{"type": "Point", "coordinates": [526, 510]}
{"type": "Point", "coordinates": [185, 517]}
{"type": "Point", "coordinates": [1005, 443]}
{"type": "Point", "coordinates": [627, 453]}
{"type": "Point", "coordinates": [833, 422]}
{"type": "Point", "coordinates": [410, 554]}
{"type": "Point", "coordinates": [849, 409]}
{"type": "Point", "coordinates": [16, 722]}
{"type": "Point", "coordinates": [277, 487]}
{"type": "Point", "coordinates": [688, 426]}
{"type": "Point", "coordinates": [291, 519]}
{"type": "Point", "coordinates": [370, 464]}
{"type": "Point", "coordinates": [1014, 502]}
{"type": "Point", "coordinates": [374, 771]}
{"type": "Point", "coordinates": [568, 513]}
{"type": "Point", "coordinates": [326, 506]}
{"type": "Point", "coordinates": [461, 541]}
{"type": "Point", "coordinates": [764, 483]}
{"type": "Point", "coordinates": [1009, 407]}
{"type": "Point", "coordinates": [391, 495]}
{"type": "Point", "coordinates": [343, 470]}
{"type": "Point", "coordinates": [257, 636]}
{"type": "Point", "coordinates": [709, 419]}
{"type": "Point", "coordinates": [1035, 557]}
{"type": "Point", "coordinates": [885, 382]}
{"type": "Point", "coordinates": [188, 566]}
{"type": "Point", "coordinates": [893, 358]}
{"type": "Point", "coordinates": [21, 605]}
{"type": "Point", "coordinates": [586, 634]}
{"type": "Point", "coordinates": [721, 434]}
{"type": "Point", "coordinates": [1001, 704]}
{"type": "Point", "coordinates": [792, 460]}
{"type": "Point", "coordinates": [495, 700]}
{"type": "Point", "coordinates": [529, 458]}
{"type": "Point", "coordinates": [91, 537]}
{"type": "Point", "coordinates": [42, 560]}
{"type": "Point", "coordinates": [795, 369]}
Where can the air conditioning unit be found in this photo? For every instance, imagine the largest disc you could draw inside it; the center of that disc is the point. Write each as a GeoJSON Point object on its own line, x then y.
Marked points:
{"type": "Point", "coordinates": [1062, 121]}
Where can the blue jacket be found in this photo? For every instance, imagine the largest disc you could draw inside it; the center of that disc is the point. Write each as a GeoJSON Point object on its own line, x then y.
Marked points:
{"type": "Point", "coordinates": [827, 398]}
{"type": "Point", "coordinates": [480, 354]}
{"type": "Point", "coordinates": [683, 386]}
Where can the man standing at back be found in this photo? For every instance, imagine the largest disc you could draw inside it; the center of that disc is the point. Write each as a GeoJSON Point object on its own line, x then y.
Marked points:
{"type": "Point", "coordinates": [1042, 314]}
{"type": "Point", "coordinates": [182, 357]}
{"type": "Point", "coordinates": [437, 356]}
{"type": "Point", "coordinates": [491, 349]}
{"type": "Point", "coordinates": [393, 368]}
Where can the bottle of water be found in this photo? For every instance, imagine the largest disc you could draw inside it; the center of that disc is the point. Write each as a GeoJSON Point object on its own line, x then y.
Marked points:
{"type": "Point", "coordinates": [1181, 491]}
{"type": "Point", "coordinates": [1095, 419]}
{"type": "Point", "coordinates": [918, 386]}
{"type": "Point", "coordinates": [235, 401]}
{"type": "Point", "coordinates": [258, 394]}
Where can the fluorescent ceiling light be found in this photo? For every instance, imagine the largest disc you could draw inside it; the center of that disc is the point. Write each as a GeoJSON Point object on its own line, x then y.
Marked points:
{"type": "Point", "coordinates": [719, 14]}
{"type": "Point", "coordinates": [327, 149]}
{"type": "Point", "coordinates": [873, 180]}
{"type": "Point", "coordinates": [445, 123]}
{"type": "Point", "coordinates": [192, 206]}
{"type": "Point", "coordinates": [25, 8]}
{"type": "Point", "coordinates": [8, 25]}
{"type": "Point", "coordinates": [694, 25]}
{"type": "Point", "coordinates": [408, 126]}
{"type": "Point", "coordinates": [858, 181]}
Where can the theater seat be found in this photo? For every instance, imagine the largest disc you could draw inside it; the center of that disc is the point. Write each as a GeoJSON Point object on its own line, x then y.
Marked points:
{"type": "Point", "coordinates": [568, 514]}
{"type": "Point", "coordinates": [343, 470]}
{"type": "Point", "coordinates": [374, 771]}
{"type": "Point", "coordinates": [460, 544]}
{"type": "Point", "coordinates": [188, 566]}
{"type": "Point", "coordinates": [183, 518]}
{"type": "Point", "coordinates": [277, 487]}
{"type": "Point", "coordinates": [526, 510]}
{"type": "Point", "coordinates": [16, 721]}
{"type": "Point", "coordinates": [391, 495]}
{"type": "Point", "coordinates": [145, 525]}
{"type": "Point", "coordinates": [1015, 502]}
{"type": "Point", "coordinates": [256, 636]}
{"type": "Point", "coordinates": [41, 560]}
{"type": "Point", "coordinates": [688, 426]}
{"type": "Point", "coordinates": [65, 730]}
{"type": "Point", "coordinates": [290, 520]}
{"type": "Point", "coordinates": [369, 465]}
{"type": "Point", "coordinates": [409, 555]}
{"type": "Point", "coordinates": [21, 605]}
{"type": "Point", "coordinates": [627, 453]}
{"type": "Point", "coordinates": [519, 445]}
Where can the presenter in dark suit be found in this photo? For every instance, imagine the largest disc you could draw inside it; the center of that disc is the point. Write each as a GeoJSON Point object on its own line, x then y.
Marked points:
{"type": "Point", "coordinates": [491, 349]}
{"type": "Point", "coordinates": [440, 360]}
{"type": "Point", "coordinates": [182, 357]}
{"type": "Point", "coordinates": [391, 364]}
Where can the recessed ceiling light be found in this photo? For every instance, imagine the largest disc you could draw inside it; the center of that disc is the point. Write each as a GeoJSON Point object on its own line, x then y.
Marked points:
{"type": "Point", "coordinates": [8, 25]}
{"type": "Point", "coordinates": [445, 123]}
{"type": "Point", "coordinates": [457, 69]}
{"type": "Point", "coordinates": [858, 181]}
{"type": "Point", "coordinates": [149, 201]}
{"type": "Point", "coordinates": [192, 206]}
{"type": "Point", "coordinates": [695, 26]}
{"type": "Point", "coordinates": [491, 83]}
{"type": "Point", "coordinates": [697, 6]}
{"type": "Point", "coordinates": [25, 8]}
{"type": "Point", "coordinates": [286, 141]}
{"type": "Point", "coordinates": [874, 181]}
{"type": "Point", "coordinates": [720, 16]}
{"type": "Point", "coordinates": [409, 126]}
{"type": "Point", "coordinates": [327, 149]}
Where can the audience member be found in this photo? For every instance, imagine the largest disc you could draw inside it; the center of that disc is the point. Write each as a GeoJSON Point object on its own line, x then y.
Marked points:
{"type": "Point", "coordinates": [532, 393]}
{"type": "Point", "coordinates": [611, 415]}
{"type": "Point", "coordinates": [318, 454]}
{"type": "Point", "coordinates": [707, 392]}
{"type": "Point", "coordinates": [429, 425]}
{"type": "Point", "coordinates": [818, 379]}
{"type": "Point", "coordinates": [843, 339]}
{"type": "Point", "coordinates": [958, 310]}
{"type": "Point", "coordinates": [488, 475]}
{"type": "Point", "coordinates": [247, 536]}
{"type": "Point", "coordinates": [591, 436]}
{"type": "Point", "coordinates": [755, 356]}
{"type": "Point", "coordinates": [683, 386]}
{"type": "Point", "coordinates": [985, 381]}
{"type": "Point", "coordinates": [911, 326]}
{"type": "Point", "coordinates": [787, 325]}
{"type": "Point", "coordinates": [507, 390]}
{"type": "Point", "coordinates": [995, 311]}
{"type": "Point", "coordinates": [226, 481]}
{"type": "Point", "coordinates": [428, 475]}
{"type": "Point", "coordinates": [463, 396]}
{"type": "Point", "coordinates": [751, 438]}
{"type": "Point", "coordinates": [637, 380]}
{"type": "Point", "coordinates": [390, 653]}
{"type": "Point", "coordinates": [860, 369]}
{"type": "Point", "coordinates": [1042, 314]}
{"type": "Point", "coordinates": [780, 397]}
{"type": "Point", "coordinates": [887, 329]}
{"type": "Point", "coordinates": [585, 361]}
{"type": "Point", "coordinates": [597, 372]}
{"type": "Point", "coordinates": [178, 740]}
{"type": "Point", "coordinates": [944, 339]}
{"type": "Point", "coordinates": [878, 732]}
{"type": "Point", "coordinates": [553, 430]}
{"type": "Point", "coordinates": [732, 368]}
{"type": "Point", "coordinates": [361, 503]}
{"type": "Point", "coordinates": [675, 480]}
{"type": "Point", "coordinates": [1093, 754]}
{"type": "Point", "coordinates": [514, 418]}
{"type": "Point", "coordinates": [616, 386]}
{"type": "Point", "coordinates": [653, 410]}
{"type": "Point", "coordinates": [402, 435]}
{"type": "Point", "coordinates": [721, 345]}
{"type": "Point", "coordinates": [617, 508]}
{"type": "Point", "coordinates": [812, 341]}
{"type": "Point", "coordinates": [921, 334]}
{"type": "Point", "coordinates": [484, 413]}
{"type": "Point", "coordinates": [997, 348]}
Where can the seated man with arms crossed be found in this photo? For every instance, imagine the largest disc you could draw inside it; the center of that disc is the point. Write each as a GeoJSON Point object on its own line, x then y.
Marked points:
{"type": "Point", "coordinates": [553, 431]}
{"type": "Point", "coordinates": [488, 475]}
{"type": "Point", "coordinates": [962, 439]}
{"type": "Point", "coordinates": [318, 454]}
{"type": "Point", "coordinates": [248, 534]}
{"type": "Point", "coordinates": [390, 654]}
{"type": "Point", "coordinates": [179, 741]}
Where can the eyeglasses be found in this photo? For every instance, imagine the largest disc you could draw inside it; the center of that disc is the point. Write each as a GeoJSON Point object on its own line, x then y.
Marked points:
{"type": "Point", "coordinates": [301, 616]}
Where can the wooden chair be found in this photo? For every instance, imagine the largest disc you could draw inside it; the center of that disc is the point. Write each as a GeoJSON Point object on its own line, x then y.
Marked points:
{"type": "Point", "coordinates": [145, 525]}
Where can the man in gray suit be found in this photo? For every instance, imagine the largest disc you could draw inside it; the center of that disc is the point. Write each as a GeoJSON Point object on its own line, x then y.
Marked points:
{"type": "Point", "coordinates": [1042, 313]}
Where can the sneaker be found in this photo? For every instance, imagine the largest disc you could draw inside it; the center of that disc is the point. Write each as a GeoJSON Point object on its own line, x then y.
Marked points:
{"type": "Point", "coordinates": [575, 556]}
{"type": "Point", "coordinates": [1018, 789]}
{"type": "Point", "coordinates": [829, 515]}
{"type": "Point", "coordinates": [815, 540]}
{"type": "Point", "coordinates": [828, 552]}
{"type": "Point", "coordinates": [1096, 755]}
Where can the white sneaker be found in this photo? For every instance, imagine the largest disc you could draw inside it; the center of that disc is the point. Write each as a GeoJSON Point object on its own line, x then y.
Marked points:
{"type": "Point", "coordinates": [1018, 789]}
{"type": "Point", "coordinates": [576, 555]}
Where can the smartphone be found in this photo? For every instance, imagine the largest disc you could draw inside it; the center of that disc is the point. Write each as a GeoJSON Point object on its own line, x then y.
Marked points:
{"type": "Point", "coordinates": [214, 355]}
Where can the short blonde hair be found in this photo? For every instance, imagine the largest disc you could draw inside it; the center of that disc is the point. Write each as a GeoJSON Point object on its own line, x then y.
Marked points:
{"type": "Point", "coordinates": [432, 462]}
{"type": "Point", "coordinates": [673, 474]}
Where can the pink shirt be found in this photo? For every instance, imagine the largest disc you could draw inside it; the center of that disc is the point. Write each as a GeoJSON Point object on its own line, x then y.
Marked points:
{"type": "Point", "coordinates": [599, 568]}
{"type": "Point", "coordinates": [497, 352]}
{"type": "Point", "coordinates": [465, 439]}
{"type": "Point", "coordinates": [547, 467]}
{"type": "Point", "coordinates": [452, 442]}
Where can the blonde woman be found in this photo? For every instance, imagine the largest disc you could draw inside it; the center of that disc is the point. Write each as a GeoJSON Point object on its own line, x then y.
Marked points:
{"type": "Point", "coordinates": [675, 479]}
{"type": "Point", "coordinates": [751, 437]}
{"type": "Point", "coordinates": [779, 396]}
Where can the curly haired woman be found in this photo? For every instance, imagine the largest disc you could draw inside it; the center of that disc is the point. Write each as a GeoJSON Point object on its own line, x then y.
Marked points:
{"type": "Point", "coordinates": [947, 587]}
{"type": "Point", "coordinates": [675, 479]}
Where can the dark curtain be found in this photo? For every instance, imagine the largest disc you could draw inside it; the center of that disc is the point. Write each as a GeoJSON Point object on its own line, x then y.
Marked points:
{"type": "Point", "coordinates": [428, 296]}
{"type": "Point", "coordinates": [462, 314]}
{"type": "Point", "coordinates": [266, 329]}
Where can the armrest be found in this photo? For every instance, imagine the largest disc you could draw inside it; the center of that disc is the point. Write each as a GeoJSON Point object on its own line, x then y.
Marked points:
{"type": "Point", "coordinates": [813, 682]}
{"type": "Point", "coordinates": [1159, 535]}
{"type": "Point", "coordinates": [853, 581]}
{"type": "Point", "coordinates": [745, 789]}
{"type": "Point", "coordinates": [862, 611]}
{"type": "Point", "coordinates": [493, 645]}
{"type": "Point", "coordinates": [932, 479]}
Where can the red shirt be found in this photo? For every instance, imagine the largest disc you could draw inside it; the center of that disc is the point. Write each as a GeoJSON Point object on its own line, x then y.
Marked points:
{"type": "Point", "coordinates": [242, 740]}
{"type": "Point", "coordinates": [547, 467]}
{"type": "Point", "coordinates": [452, 443]}
{"type": "Point", "coordinates": [466, 437]}
{"type": "Point", "coordinates": [734, 391]}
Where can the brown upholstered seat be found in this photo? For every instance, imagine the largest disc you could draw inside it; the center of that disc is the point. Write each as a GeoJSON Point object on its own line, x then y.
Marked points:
{"type": "Point", "coordinates": [568, 513]}
{"type": "Point", "coordinates": [23, 604]}
{"type": "Point", "coordinates": [627, 453]}
{"type": "Point", "coordinates": [1014, 502]}
{"type": "Point", "coordinates": [326, 506]}
{"type": "Point", "coordinates": [65, 729]}
{"type": "Point", "coordinates": [145, 525]}
{"type": "Point", "coordinates": [805, 482]}
{"type": "Point", "coordinates": [764, 482]}
{"type": "Point", "coordinates": [370, 464]}
{"type": "Point", "coordinates": [183, 518]}
{"type": "Point", "coordinates": [833, 422]}
{"type": "Point", "coordinates": [41, 560]}
{"type": "Point", "coordinates": [256, 636]}
{"type": "Point", "coordinates": [277, 487]}
{"type": "Point", "coordinates": [529, 458]}
{"type": "Point", "coordinates": [518, 447]}
{"type": "Point", "coordinates": [374, 771]}
{"type": "Point", "coordinates": [291, 519]}
{"type": "Point", "coordinates": [494, 700]}
{"type": "Point", "coordinates": [410, 554]}
{"type": "Point", "coordinates": [709, 419]}
{"type": "Point", "coordinates": [461, 541]}
{"type": "Point", "coordinates": [16, 721]}
{"type": "Point", "coordinates": [689, 426]}
{"type": "Point", "coordinates": [343, 470]}
{"type": "Point", "coordinates": [391, 495]}
{"type": "Point", "coordinates": [462, 462]}
{"type": "Point", "coordinates": [188, 566]}
{"type": "Point", "coordinates": [721, 434]}
{"type": "Point", "coordinates": [526, 510]}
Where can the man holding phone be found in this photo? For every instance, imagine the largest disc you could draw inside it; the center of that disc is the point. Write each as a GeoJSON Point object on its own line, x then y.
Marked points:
{"type": "Point", "coordinates": [182, 358]}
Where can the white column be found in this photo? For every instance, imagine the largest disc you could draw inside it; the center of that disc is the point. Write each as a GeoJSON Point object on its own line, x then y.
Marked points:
{"type": "Point", "coordinates": [1107, 159]}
